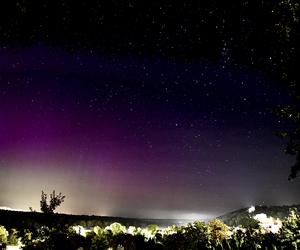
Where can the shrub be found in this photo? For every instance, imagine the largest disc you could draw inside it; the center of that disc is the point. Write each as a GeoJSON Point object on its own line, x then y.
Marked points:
{"type": "Point", "coordinates": [218, 230]}
{"type": "Point", "coordinates": [99, 242]}
{"type": "Point", "coordinates": [98, 230]}
{"type": "Point", "coordinates": [116, 228]}
{"type": "Point", "coordinates": [3, 235]}
{"type": "Point", "coordinates": [289, 233]}
{"type": "Point", "coordinates": [152, 228]}
{"type": "Point", "coordinates": [13, 237]}
{"type": "Point", "coordinates": [196, 236]}
{"type": "Point", "coordinates": [249, 222]}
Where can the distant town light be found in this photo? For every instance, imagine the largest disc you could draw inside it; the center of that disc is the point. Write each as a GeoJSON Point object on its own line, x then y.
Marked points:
{"type": "Point", "coordinates": [251, 209]}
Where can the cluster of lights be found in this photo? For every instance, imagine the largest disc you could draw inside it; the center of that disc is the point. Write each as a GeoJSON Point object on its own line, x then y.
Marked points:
{"type": "Point", "coordinates": [267, 224]}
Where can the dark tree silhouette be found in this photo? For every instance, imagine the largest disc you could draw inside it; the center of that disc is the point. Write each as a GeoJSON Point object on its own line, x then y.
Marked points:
{"type": "Point", "coordinates": [292, 136]}
{"type": "Point", "coordinates": [55, 201]}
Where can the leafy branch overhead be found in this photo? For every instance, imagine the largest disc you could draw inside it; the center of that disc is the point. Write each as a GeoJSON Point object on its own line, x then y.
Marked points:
{"type": "Point", "coordinates": [292, 136]}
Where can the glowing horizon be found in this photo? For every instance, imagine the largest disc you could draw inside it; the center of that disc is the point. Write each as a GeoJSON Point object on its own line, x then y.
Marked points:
{"type": "Point", "coordinates": [116, 147]}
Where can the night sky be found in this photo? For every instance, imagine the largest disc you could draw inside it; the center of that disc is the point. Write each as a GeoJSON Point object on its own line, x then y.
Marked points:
{"type": "Point", "coordinates": [154, 110]}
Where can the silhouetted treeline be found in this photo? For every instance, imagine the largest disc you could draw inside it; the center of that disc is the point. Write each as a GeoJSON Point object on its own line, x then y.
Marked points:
{"type": "Point", "coordinates": [20, 220]}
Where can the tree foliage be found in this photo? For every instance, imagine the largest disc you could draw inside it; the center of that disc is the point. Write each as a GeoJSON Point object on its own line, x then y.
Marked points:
{"type": "Point", "coordinates": [3, 235]}
{"type": "Point", "coordinates": [55, 201]}
{"type": "Point", "coordinates": [12, 238]}
{"type": "Point", "coordinates": [290, 231]}
{"type": "Point", "coordinates": [198, 235]}
{"type": "Point", "coordinates": [288, 31]}
{"type": "Point", "coordinates": [292, 136]}
{"type": "Point", "coordinates": [218, 229]}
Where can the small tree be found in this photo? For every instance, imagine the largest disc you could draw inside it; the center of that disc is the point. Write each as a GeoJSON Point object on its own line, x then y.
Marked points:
{"type": "Point", "coordinates": [55, 201]}
{"type": "Point", "coordinates": [153, 228]}
{"type": "Point", "coordinates": [290, 231]}
{"type": "Point", "coordinates": [12, 238]}
{"type": "Point", "coordinates": [218, 229]}
{"type": "Point", "coordinates": [116, 228]}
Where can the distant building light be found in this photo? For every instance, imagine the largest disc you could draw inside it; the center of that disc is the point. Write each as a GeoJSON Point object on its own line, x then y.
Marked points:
{"type": "Point", "coordinates": [251, 209]}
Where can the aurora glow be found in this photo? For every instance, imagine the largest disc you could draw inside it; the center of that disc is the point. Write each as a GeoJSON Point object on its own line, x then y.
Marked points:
{"type": "Point", "coordinates": [159, 110]}
{"type": "Point", "coordinates": [115, 147]}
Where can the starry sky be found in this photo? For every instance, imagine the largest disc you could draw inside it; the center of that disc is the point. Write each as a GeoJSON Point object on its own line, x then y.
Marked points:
{"type": "Point", "coordinates": [155, 110]}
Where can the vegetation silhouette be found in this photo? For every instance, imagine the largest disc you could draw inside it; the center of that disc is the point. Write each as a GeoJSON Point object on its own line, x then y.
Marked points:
{"type": "Point", "coordinates": [55, 201]}
{"type": "Point", "coordinates": [193, 236]}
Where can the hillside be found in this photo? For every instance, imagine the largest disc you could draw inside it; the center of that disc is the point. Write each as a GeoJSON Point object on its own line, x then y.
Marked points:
{"type": "Point", "coordinates": [240, 217]}
{"type": "Point", "coordinates": [18, 220]}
